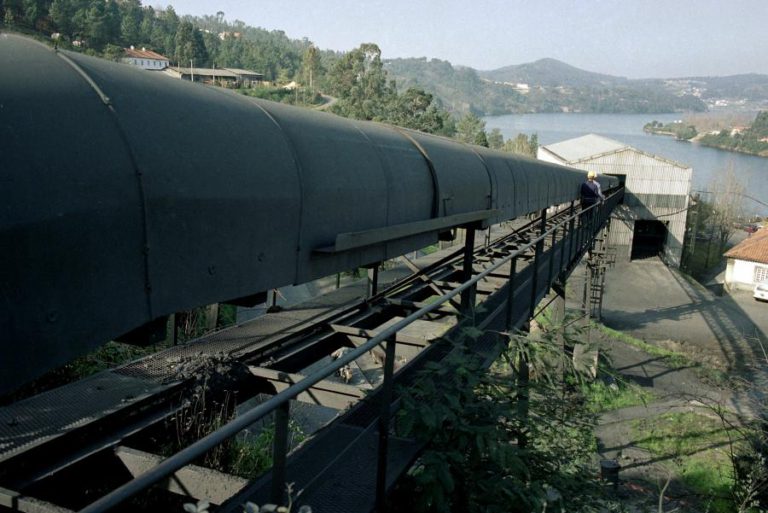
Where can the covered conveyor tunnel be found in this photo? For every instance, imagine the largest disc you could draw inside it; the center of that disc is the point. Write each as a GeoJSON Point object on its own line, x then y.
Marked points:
{"type": "Point", "coordinates": [128, 196]}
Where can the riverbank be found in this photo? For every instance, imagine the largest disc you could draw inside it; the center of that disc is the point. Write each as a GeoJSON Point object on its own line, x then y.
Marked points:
{"type": "Point", "coordinates": [702, 140]}
{"type": "Point", "coordinates": [707, 163]}
{"type": "Point", "coordinates": [750, 138]}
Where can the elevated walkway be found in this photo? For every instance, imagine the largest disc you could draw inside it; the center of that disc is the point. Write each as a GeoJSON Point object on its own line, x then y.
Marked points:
{"type": "Point", "coordinates": [386, 338]}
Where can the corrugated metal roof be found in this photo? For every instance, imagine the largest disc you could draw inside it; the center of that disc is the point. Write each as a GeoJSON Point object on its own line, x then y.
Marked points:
{"type": "Point", "coordinates": [583, 147]}
{"type": "Point", "coordinates": [207, 72]}
{"type": "Point", "coordinates": [144, 54]}
{"type": "Point", "coordinates": [239, 71]}
{"type": "Point", "coordinates": [592, 146]}
{"type": "Point", "coordinates": [754, 248]}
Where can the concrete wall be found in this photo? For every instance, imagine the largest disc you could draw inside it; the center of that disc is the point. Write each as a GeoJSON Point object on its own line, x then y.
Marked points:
{"type": "Point", "coordinates": [740, 274]}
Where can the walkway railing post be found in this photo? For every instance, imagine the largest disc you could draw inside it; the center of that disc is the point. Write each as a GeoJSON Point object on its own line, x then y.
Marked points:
{"type": "Point", "coordinates": [384, 416]}
{"type": "Point", "coordinates": [571, 232]}
{"type": "Point", "coordinates": [552, 257]}
{"type": "Point", "coordinates": [511, 292]}
{"type": "Point", "coordinates": [523, 382]}
{"type": "Point", "coordinates": [280, 453]}
{"type": "Point", "coordinates": [468, 296]}
{"type": "Point", "coordinates": [562, 249]}
{"type": "Point", "coordinates": [535, 268]}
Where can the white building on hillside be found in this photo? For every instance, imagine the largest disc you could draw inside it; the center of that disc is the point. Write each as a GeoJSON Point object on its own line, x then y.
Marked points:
{"type": "Point", "coordinates": [651, 221]}
{"type": "Point", "coordinates": [145, 59]}
{"type": "Point", "coordinates": [748, 262]}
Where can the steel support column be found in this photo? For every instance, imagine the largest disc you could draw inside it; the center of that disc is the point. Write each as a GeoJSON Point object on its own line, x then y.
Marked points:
{"type": "Point", "coordinates": [373, 280]}
{"type": "Point", "coordinates": [280, 453]}
{"type": "Point", "coordinates": [386, 405]}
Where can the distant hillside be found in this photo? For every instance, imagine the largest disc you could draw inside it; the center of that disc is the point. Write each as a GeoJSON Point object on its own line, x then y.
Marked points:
{"type": "Point", "coordinates": [550, 73]}
{"type": "Point", "coordinates": [458, 88]}
{"type": "Point", "coordinates": [549, 86]}
{"type": "Point", "coordinates": [751, 86]}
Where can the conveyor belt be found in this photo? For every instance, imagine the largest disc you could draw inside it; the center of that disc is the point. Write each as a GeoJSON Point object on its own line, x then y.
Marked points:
{"type": "Point", "coordinates": [275, 340]}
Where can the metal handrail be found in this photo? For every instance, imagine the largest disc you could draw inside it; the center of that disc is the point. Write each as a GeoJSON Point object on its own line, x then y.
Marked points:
{"type": "Point", "coordinates": [197, 449]}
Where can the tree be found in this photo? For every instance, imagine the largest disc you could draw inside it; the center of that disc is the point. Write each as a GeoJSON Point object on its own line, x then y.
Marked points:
{"type": "Point", "coordinates": [310, 67]}
{"type": "Point", "coordinates": [102, 24]}
{"type": "Point", "coordinates": [495, 139]}
{"type": "Point", "coordinates": [522, 145]}
{"type": "Point", "coordinates": [62, 12]}
{"type": "Point", "coordinates": [190, 46]}
{"type": "Point", "coordinates": [131, 22]}
{"type": "Point", "coordinates": [727, 205]}
{"type": "Point", "coordinates": [416, 109]}
{"type": "Point", "coordinates": [471, 129]}
{"type": "Point", "coordinates": [34, 12]}
{"type": "Point", "coordinates": [359, 81]}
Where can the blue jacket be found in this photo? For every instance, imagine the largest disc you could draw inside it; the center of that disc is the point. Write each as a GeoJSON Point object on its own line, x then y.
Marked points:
{"type": "Point", "coordinates": [591, 193]}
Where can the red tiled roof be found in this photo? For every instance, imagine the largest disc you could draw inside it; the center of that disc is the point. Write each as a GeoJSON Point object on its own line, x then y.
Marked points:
{"type": "Point", "coordinates": [144, 54]}
{"type": "Point", "coordinates": [754, 248]}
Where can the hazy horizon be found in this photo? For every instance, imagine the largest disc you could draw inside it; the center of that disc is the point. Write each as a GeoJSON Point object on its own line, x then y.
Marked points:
{"type": "Point", "coordinates": [647, 39]}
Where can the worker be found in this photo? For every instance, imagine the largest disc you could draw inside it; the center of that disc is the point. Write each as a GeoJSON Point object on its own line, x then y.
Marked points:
{"type": "Point", "coordinates": [590, 191]}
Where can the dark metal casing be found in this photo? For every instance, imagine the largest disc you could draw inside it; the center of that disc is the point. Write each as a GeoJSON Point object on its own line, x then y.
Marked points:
{"type": "Point", "coordinates": [128, 195]}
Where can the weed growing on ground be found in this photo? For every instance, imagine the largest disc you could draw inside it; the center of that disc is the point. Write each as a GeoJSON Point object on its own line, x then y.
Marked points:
{"type": "Point", "coordinates": [696, 447]}
{"type": "Point", "coordinates": [672, 359]}
{"type": "Point", "coordinates": [613, 393]}
{"type": "Point", "coordinates": [247, 455]}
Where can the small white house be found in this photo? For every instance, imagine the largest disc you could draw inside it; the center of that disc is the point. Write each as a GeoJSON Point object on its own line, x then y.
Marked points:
{"type": "Point", "coordinates": [145, 59]}
{"type": "Point", "coordinates": [748, 262]}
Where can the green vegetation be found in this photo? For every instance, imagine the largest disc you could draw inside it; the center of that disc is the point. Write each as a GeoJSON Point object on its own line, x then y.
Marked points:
{"type": "Point", "coordinates": [248, 455]}
{"type": "Point", "coordinates": [753, 140]}
{"type": "Point", "coordinates": [696, 448]}
{"type": "Point", "coordinates": [298, 96]}
{"type": "Point", "coordinates": [672, 359]}
{"type": "Point", "coordinates": [360, 83]}
{"type": "Point", "coordinates": [678, 129]}
{"type": "Point", "coordinates": [499, 442]}
{"type": "Point", "coordinates": [551, 86]}
{"type": "Point", "coordinates": [703, 257]}
{"type": "Point", "coordinates": [459, 88]}
{"type": "Point", "coordinates": [601, 396]}
{"type": "Point", "coordinates": [417, 94]}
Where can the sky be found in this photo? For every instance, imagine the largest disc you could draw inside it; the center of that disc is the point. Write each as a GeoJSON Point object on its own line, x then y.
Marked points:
{"type": "Point", "coordinates": [629, 38]}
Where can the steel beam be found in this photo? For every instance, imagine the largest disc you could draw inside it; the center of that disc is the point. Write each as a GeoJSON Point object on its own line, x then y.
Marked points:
{"type": "Point", "coordinates": [199, 483]}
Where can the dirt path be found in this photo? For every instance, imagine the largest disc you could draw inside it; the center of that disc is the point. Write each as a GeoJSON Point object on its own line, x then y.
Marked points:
{"type": "Point", "coordinates": [675, 390]}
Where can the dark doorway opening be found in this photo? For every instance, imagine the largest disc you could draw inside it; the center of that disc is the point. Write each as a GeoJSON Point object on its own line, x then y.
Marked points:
{"type": "Point", "coordinates": [648, 240]}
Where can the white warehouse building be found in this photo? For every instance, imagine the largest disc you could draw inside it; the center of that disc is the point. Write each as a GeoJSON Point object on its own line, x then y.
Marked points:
{"type": "Point", "coordinates": [651, 221]}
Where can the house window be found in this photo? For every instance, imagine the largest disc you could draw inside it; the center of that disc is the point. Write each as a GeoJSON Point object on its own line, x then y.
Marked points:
{"type": "Point", "coordinates": [761, 273]}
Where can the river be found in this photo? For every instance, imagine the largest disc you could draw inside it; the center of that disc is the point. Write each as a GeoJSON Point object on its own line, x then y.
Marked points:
{"type": "Point", "coordinates": [628, 128]}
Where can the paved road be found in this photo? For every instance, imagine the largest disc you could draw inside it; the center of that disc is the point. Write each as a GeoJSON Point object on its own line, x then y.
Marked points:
{"type": "Point", "coordinates": [655, 303]}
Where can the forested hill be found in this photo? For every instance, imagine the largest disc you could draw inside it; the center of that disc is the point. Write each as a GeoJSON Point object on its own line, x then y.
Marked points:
{"type": "Point", "coordinates": [550, 73]}
{"type": "Point", "coordinates": [106, 27]}
{"type": "Point", "coordinates": [751, 86]}
{"type": "Point", "coordinates": [546, 85]}
{"type": "Point", "coordinates": [458, 88]}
